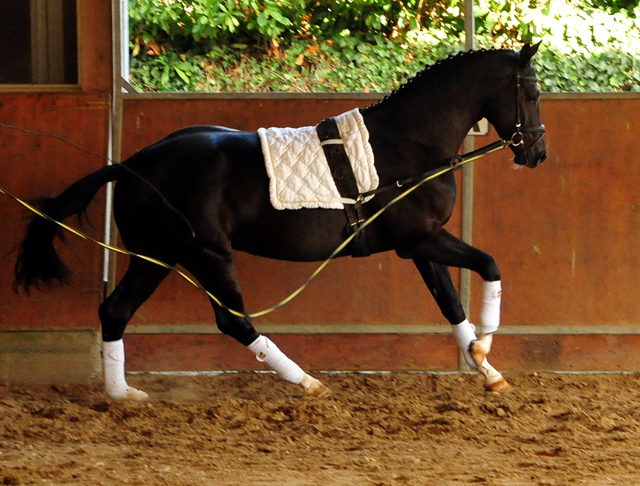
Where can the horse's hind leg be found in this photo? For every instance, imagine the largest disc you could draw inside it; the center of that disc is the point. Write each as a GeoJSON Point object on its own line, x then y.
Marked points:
{"type": "Point", "coordinates": [139, 282]}
{"type": "Point", "coordinates": [216, 273]}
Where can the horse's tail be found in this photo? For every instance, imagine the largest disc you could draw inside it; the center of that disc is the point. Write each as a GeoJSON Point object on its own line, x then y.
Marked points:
{"type": "Point", "coordinates": [38, 261]}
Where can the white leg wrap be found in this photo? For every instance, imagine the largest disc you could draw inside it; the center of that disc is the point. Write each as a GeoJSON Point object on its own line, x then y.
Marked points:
{"type": "Point", "coordinates": [113, 362]}
{"type": "Point", "coordinates": [265, 350]}
{"type": "Point", "coordinates": [114, 380]}
{"type": "Point", "coordinates": [490, 310]}
{"type": "Point", "coordinates": [465, 335]}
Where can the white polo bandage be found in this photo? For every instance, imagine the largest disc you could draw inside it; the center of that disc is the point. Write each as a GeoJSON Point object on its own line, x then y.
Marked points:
{"type": "Point", "coordinates": [265, 350]}
{"type": "Point", "coordinates": [490, 309]}
{"type": "Point", "coordinates": [113, 364]}
{"type": "Point", "coordinates": [465, 335]}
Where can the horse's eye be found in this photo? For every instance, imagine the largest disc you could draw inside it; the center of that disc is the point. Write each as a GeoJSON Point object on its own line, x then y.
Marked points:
{"type": "Point", "coordinates": [533, 97]}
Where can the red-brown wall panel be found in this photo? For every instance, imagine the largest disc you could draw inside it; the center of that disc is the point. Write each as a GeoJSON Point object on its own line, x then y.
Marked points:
{"type": "Point", "coordinates": [567, 233]}
{"type": "Point", "coordinates": [564, 235]}
{"type": "Point", "coordinates": [379, 352]}
{"type": "Point", "coordinates": [37, 166]}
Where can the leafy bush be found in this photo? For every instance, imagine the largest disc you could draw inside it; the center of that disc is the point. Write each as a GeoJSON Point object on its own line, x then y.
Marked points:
{"type": "Point", "coordinates": [584, 48]}
{"type": "Point", "coordinates": [371, 45]}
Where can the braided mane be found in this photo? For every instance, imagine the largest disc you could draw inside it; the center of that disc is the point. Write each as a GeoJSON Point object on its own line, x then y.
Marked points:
{"type": "Point", "coordinates": [434, 68]}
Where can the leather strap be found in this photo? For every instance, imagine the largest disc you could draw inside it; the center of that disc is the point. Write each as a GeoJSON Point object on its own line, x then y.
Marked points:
{"type": "Point", "coordinates": [345, 181]}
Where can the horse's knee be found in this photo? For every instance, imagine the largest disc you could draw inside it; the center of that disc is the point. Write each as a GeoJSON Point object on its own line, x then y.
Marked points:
{"type": "Point", "coordinates": [490, 271]}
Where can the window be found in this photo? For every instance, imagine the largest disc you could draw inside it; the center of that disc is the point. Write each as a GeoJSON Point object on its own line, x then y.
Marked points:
{"type": "Point", "coordinates": [39, 42]}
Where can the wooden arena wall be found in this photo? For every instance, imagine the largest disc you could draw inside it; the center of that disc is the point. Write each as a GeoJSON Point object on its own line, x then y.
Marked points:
{"type": "Point", "coordinates": [565, 236]}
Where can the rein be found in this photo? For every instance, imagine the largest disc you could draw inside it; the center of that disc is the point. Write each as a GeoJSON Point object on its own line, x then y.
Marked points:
{"type": "Point", "coordinates": [454, 163]}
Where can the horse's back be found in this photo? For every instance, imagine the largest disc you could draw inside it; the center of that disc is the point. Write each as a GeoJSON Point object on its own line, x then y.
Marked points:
{"type": "Point", "coordinates": [200, 129]}
{"type": "Point", "coordinates": [198, 171]}
{"type": "Point", "coordinates": [195, 150]}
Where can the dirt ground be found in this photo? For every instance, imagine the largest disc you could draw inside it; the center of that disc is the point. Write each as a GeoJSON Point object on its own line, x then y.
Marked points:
{"type": "Point", "coordinates": [374, 430]}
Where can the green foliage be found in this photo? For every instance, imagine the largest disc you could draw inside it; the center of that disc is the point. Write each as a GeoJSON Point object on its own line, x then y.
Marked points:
{"type": "Point", "coordinates": [584, 48]}
{"type": "Point", "coordinates": [372, 45]}
{"type": "Point", "coordinates": [614, 5]}
{"type": "Point", "coordinates": [260, 21]}
{"type": "Point", "coordinates": [362, 67]}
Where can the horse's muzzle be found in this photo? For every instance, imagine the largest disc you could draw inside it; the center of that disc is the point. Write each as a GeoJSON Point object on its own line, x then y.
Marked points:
{"type": "Point", "coordinates": [532, 155]}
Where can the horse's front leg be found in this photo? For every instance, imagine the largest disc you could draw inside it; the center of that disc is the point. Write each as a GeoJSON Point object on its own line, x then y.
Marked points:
{"type": "Point", "coordinates": [432, 257]}
{"type": "Point", "coordinates": [438, 281]}
{"type": "Point", "coordinates": [489, 324]}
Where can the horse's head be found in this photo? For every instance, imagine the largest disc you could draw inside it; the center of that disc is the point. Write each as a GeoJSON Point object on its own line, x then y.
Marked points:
{"type": "Point", "coordinates": [519, 119]}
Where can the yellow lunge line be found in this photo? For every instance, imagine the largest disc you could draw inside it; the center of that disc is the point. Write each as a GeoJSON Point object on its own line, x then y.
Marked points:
{"type": "Point", "coordinates": [213, 297]}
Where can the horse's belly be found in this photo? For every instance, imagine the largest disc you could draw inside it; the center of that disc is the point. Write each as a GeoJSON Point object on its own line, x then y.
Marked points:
{"type": "Point", "coordinates": [294, 235]}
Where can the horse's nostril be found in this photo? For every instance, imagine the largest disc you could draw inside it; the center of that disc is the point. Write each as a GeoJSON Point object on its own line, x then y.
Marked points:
{"type": "Point", "coordinates": [543, 157]}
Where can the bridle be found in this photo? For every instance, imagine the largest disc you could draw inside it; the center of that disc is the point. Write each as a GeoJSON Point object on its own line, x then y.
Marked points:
{"type": "Point", "coordinates": [517, 138]}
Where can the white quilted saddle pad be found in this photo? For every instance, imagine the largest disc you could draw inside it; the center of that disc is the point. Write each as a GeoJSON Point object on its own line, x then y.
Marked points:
{"type": "Point", "coordinates": [299, 175]}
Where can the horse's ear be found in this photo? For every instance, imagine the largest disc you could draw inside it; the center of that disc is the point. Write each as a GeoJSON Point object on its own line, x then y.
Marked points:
{"type": "Point", "coordinates": [527, 53]}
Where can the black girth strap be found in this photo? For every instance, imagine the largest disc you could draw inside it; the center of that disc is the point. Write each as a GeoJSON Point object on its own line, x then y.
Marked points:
{"type": "Point", "coordinates": [345, 180]}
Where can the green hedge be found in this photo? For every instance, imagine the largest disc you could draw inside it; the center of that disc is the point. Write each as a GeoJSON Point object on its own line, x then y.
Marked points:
{"type": "Point", "coordinates": [371, 45]}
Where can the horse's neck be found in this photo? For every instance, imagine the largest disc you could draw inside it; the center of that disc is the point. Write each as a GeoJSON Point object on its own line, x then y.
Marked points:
{"type": "Point", "coordinates": [436, 116]}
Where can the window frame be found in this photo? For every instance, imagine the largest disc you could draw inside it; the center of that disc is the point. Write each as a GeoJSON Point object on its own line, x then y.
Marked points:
{"type": "Point", "coordinates": [48, 49]}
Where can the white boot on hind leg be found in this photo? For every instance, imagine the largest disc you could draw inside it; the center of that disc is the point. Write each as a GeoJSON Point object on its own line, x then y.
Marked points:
{"type": "Point", "coordinates": [266, 351]}
{"type": "Point", "coordinates": [114, 380]}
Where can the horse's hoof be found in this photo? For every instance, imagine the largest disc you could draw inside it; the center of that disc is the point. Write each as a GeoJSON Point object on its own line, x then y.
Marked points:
{"type": "Point", "coordinates": [314, 388]}
{"type": "Point", "coordinates": [130, 395]}
{"type": "Point", "coordinates": [499, 386]}
{"type": "Point", "coordinates": [320, 391]}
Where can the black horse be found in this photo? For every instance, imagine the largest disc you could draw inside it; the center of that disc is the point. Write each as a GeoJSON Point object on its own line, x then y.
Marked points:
{"type": "Point", "coordinates": [201, 192]}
